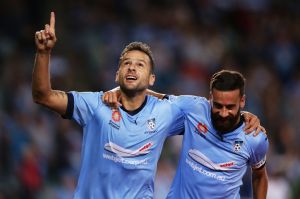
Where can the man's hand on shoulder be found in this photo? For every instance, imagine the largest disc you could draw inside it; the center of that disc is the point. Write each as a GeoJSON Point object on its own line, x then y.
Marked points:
{"type": "Point", "coordinates": [252, 123]}
{"type": "Point", "coordinates": [112, 98]}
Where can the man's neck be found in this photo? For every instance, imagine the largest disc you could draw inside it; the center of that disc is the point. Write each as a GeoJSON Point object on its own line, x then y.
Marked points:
{"type": "Point", "coordinates": [133, 102]}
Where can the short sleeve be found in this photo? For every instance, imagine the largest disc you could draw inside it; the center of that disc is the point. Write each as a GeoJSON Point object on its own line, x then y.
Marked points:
{"type": "Point", "coordinates": [186, 102]}
{"type": "Point", "coordinates": [259, 151]}
{"type": "Point", "coordinates": [177, 126]}
{"type": "Point", "coordinates": [85, 105]}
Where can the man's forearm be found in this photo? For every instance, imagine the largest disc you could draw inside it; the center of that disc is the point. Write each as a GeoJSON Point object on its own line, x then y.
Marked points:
{"type": "Point", "coordinates": [41, 76]}
{"type": "Point", "coordinates": [260, 184]}
{"type": "Point", "coordinates": [155, 94]}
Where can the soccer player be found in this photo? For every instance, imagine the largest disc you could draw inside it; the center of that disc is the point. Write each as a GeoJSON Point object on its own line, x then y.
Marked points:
{"type": "Point", "coordinates": [216, 151]}
{"type": "Point", "coordinates": [121, 147]}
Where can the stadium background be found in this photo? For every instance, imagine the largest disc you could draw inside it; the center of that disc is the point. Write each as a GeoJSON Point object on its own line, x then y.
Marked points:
{"type": "Point", "coordinates": [40, 152]}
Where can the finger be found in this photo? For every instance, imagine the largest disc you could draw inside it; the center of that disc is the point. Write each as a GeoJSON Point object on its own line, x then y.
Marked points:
{"type": "Point", "coordinates": [52, 36]}
{"type": "Point", "coordinates": [52, 22]}
{"type": "Point", "coordinates": [251, 128]}
{"type": "Point", "coordinates": [110, 98]}
{"type": "Point", "coordinates": [253, 123]}
{"type": "Point", "coordinates": [247, 127]}
{"type": "Point", "coordinates": [47, 28]}
{"type": "Point", "coordinates": [38, 35]}
{"type": "Point", "coordinates": [44, 36]}
{"type": "Point", "coordinates": [105, 98]}
{"type": "Point", "coordinates": [246, 118]}
{"type": "Point", "coordinates": [247, 124]}
{"type": "Point", "coordinates": [47, 31]}
{"type": "Point", "coordinates": [116, 100]}
{"type": "Point", "coordinates": [256, 131]}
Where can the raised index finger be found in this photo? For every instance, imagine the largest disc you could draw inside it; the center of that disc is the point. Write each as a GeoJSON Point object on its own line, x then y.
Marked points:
{"type": "Point", "coordinates": [52, 22]}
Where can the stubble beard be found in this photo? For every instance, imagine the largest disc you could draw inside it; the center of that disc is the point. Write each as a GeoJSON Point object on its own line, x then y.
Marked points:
{"type": "Point", "coordinates": [225, 125]}
{"type": "Point", "coordinates": [131, 92]}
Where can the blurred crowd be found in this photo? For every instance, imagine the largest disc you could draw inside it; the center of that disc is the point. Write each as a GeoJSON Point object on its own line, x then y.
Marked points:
{"type": "Point", "coordinates": [192, 39]}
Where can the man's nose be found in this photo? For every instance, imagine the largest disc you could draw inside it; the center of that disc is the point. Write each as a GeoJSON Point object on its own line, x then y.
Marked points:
{"type": "Point", "coordinates": [131, 67]}
{"type": "Point", "coordinates": [224, 112]}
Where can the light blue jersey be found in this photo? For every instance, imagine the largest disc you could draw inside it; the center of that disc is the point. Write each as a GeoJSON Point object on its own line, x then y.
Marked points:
{"type": "Point", "coordinates": [120, 151]}
{"type": "Point", "coordinates": [211, 164]}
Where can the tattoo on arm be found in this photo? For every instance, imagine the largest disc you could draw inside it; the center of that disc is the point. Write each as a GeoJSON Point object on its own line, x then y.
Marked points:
{"type": "Point", "coordinates": [59, 94]}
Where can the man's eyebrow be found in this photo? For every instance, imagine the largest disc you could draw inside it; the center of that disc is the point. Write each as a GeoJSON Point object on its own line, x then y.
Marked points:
{"type": "Point", "coordinates": [131, 59]}
{"type": "Point", "coordinates": [227, 105]}
{"type": "Point", "coordinates": [216, 103]}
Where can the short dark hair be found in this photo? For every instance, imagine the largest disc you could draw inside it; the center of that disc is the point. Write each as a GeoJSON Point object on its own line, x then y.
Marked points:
{"type": "Point", "coordinates": [228, 80]}
{"type": "Point", "coordinates": [140, 46]}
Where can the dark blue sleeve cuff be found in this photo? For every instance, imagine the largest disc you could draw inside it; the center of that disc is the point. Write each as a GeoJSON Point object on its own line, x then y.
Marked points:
{"type": "Point", "coordinates": [70, 107]}
{"type": "Point", "coordinates": [166, 97]}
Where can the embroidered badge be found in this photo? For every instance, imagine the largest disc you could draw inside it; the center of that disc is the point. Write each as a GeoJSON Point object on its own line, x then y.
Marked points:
{"type": "Point", "coordinates": [202, 128]}
{"type": "Point", "coordinates": [151, 124]}
{"type": "Point", "coordinates": [116, 116]}
{"type": "Point", "coordinates": [237, 145]}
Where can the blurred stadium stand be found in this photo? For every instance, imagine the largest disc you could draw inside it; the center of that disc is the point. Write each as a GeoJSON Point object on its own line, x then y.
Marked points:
{"type": "Point", "coordinates": [40, 152]}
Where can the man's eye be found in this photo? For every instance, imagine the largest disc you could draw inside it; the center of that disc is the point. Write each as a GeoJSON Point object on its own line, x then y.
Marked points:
{"type": "Point", "coordinates": [230, 107]}
{"type": "Point", "coordinates": [140, 64]}
{"type": "Point", "coordinates": [218, 106]}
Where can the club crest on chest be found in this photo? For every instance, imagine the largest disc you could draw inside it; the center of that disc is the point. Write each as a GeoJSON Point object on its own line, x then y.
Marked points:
{"type": "Point", "coordinates": [237, 145]}
{"type": "Point", "coordinates": [151, 126]}
{"type": "Point", "coordinates": [115, 119]}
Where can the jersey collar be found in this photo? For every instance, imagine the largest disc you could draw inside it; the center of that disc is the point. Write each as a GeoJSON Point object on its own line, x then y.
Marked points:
{"type": "Point", "coordinates": [136, 110]}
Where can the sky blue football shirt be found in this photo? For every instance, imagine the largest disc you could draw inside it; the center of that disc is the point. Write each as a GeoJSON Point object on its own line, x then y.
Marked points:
{"type": "Point", "coordinates": [120, 151]}
{"type": "Point", "coordinates": [211, 164]}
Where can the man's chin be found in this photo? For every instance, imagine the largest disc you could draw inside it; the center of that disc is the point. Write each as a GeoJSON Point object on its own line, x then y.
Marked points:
{"type": "Point", "coordinates": [223, 128]}
{"type": "Point", "coordinates": [131, 90]}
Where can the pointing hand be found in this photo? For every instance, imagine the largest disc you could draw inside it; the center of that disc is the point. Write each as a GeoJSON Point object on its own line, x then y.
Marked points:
{"type": "Point", "coordinates": [45, 39]}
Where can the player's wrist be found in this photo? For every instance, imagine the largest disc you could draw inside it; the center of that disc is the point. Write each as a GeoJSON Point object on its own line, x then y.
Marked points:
{"type": "Point", "coordinates": [43, 52]}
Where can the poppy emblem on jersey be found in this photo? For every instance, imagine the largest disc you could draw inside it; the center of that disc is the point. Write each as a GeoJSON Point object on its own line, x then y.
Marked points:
{"type": "Point", "coordinates": [237, 145]}
{"type": "Point", "coordinates": [151, 124]}
{"type": "Point", "coordinates": [202, 128]}
{"type": "Point", "coordinates": [116, 116]}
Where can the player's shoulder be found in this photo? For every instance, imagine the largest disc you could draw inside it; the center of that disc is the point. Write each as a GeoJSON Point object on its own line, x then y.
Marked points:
{"type": "Point", "coordinates": [256, 141]}
{"type": "Point", "coordinates": [192, 98]}
{"type": "Point", "coordinates": [86, 93]}
{"type": "Point", "coordinates": [188, 100]}
{"type": "Point", "coordinates": [158, 103]}
{"type": "Point", "coordinates": [87, 97]}
{"type": "Point", "coordinates": [162, 106]}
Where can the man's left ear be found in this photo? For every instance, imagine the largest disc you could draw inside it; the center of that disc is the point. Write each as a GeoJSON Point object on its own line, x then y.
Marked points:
{"type": "Point", "coordinates": [151, 80]}
{"type": "Point", "coordinates": [243, 101]}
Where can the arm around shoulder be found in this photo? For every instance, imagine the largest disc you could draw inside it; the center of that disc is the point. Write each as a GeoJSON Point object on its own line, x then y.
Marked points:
{"type": "Point", "coordinates": [155, 94]}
